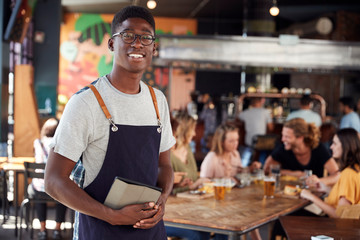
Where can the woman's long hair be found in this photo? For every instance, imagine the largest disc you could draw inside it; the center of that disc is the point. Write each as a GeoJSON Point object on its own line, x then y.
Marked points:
{"type": "Point", "coordinates": [309, 131]}
{"type": "Point", "coordinates": [219, 137]}
{"type": "Point", "coordinates": [350, 144]}
{"type": "Point", "coordinates": [185, 125]}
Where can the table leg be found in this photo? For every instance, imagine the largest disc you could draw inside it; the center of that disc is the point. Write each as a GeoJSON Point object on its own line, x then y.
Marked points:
{"type": "Point", "coordinates": [233, 236]}
{"type": "Point", "coordinates": [4, 200]}
{"type": "Point", "coordinates": [16, 175]}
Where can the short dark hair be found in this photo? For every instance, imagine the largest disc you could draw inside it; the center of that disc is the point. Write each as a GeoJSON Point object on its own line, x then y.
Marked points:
{"type": "Point", "coordinates": [347, 101]}
{"type": "Point", "coordinates": [131, 12]}
{"type": "Point", "coordinates": [305, 100]}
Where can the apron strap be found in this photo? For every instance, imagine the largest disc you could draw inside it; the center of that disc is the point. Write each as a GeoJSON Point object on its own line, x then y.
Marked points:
{"type": "Point", "coordinates": [108, 115]}
{"type": "Point", "coordinates": [154, 101]}
{"type": "Point", "coordinates": [100, 100]}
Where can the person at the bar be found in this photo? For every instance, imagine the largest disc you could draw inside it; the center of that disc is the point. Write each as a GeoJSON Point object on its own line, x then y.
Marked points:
{"type": "Point", "coordinates": [301, 150]}
{"type": "Point", "coordinates": [350, 119]}
{"type": "Point", "coordinates": [257, 119]}
{"type": "Point", "coordinates": [118, 126]}
{"type": "Point", "coordinates": [346, 149]}
{"type": "Point", "coordinates": [305, 112]}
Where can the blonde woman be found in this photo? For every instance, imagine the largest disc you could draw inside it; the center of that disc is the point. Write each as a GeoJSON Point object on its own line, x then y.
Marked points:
{"type": "Point", "coordinates": [182, 158]}
{"type": "Point", "coordinates": [224, 159]}
{"type": "Point", "coordinates": [184, 165]}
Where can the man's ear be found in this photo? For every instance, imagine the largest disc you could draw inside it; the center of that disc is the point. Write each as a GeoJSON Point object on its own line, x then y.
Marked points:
{"type": "Point", "coordinates": [155, 51]}
{"type": "Point", "coordinates": [111, 44]}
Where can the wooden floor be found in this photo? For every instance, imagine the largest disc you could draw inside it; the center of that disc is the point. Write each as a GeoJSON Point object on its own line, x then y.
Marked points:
{"type": "Point", "coordinates": [7, 230]}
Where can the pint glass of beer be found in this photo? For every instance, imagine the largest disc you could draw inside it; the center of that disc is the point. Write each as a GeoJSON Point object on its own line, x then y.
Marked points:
{"type": "Point", "coordinates": [219, 189]}
{"type": "Point", "coordinates": [269, 187]}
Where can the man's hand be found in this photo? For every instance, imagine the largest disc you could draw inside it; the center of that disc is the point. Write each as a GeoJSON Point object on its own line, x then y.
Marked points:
{"type": "Point", "coordinates": [131, 214]}
{"type": "Point", "coordinates": [153, 220]}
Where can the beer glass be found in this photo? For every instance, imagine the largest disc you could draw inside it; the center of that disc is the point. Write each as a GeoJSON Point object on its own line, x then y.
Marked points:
{"type": "Point", "coordinates": [219, 189]}
{"type": "Point", "coordinates": [269, 187]}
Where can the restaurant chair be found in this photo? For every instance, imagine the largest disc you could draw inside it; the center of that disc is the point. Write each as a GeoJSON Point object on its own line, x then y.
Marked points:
{"type": "Point", "coordinates": [3, 194]}
{"type": "Point", "coordinates": [263, 144]}
{"type": "Point", "coordinates": [349, 211]}
{"type": "Point", "coordinates": [32, 170]}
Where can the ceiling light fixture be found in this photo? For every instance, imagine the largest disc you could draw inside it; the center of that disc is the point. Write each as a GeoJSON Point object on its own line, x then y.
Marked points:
{"type": "Point", "coordinates": [274, 10]}
{"type": "Point", "coordinates": [151, 4]}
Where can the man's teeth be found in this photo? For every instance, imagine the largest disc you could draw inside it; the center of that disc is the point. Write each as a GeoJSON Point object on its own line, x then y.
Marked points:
{"type": "Point", "coordinates": [136, 55]}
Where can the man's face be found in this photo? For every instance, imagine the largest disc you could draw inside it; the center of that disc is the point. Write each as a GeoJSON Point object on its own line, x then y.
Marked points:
{"type": "Point", "coordinates": [289, 139]}
{"type": "Point", "coordinates": [133, 57]}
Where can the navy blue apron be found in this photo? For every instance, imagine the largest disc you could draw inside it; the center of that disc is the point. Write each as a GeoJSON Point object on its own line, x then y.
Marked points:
{"type": "Point", "coordinates": [133, 153]}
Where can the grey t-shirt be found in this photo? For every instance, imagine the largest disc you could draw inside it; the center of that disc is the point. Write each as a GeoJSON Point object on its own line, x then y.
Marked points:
{"type": "Point", "coordinates": [256, 120]}
{"type": "Point", "coordinates": [84, 129]}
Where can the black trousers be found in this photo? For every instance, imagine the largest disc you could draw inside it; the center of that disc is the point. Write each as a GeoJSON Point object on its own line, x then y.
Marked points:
{"type": "Point", "coordinates": [41, 208]}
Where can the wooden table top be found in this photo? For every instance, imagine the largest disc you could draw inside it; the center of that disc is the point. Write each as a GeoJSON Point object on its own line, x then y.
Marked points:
{"type": "Point", "coordinates": [299, 228]}
{"type": "Point", "coordinates": [242, 210]}
{"type": "Point", "coordinates": [15, 163]}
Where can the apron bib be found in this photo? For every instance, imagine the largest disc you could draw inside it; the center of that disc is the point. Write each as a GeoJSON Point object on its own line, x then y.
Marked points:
{"type": "Point", "coordinates": [133, 153]}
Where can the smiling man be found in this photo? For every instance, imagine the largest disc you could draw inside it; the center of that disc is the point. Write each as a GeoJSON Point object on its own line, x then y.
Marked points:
{"type": "Point", "coordinates": [300, 151]}
{"type": "Point", "coordinates": [117, 126]}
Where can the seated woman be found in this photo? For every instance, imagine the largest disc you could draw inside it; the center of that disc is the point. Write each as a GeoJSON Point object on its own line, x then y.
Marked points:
{"type": "Point", "coordinates": [184, 165]}
{"type": "Point", "coordinates": [346, 191]}
{"type": "Point", "coordinates": [36, 188]}
{"type": "Point", "coordinates": [182, 158]}
{"type": "Point", "coordinates": [224, 159]}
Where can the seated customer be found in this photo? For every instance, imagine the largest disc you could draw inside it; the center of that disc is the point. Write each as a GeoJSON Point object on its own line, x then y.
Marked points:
{"type": "Point", "coordinates": [224, 159]}
{"type": "Point", "coordinates": [183, 163]}
{"type": "Point", "coordinates": [301, 150]}
{"type": "Point", "coordinates": [182, 158]}
{"type": "Point", "coordinates": [346, 191]}
{"type": "Point", "coordinates": [36, 188]}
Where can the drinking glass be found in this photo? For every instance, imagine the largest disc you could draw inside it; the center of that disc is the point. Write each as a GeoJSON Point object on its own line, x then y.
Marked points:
{"type": "Point", "coordinates": [269, 187]}
{"type": "Point", "coordinates": [219, 189]}
{"type": "Point", "coordinates": [275, 172]}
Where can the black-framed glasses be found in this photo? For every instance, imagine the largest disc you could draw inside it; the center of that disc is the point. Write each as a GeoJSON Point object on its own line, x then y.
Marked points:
{"type": "Point", "coordinates": [129, 37]}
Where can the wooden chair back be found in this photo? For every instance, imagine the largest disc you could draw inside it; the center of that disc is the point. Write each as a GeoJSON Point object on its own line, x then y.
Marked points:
{"type": "Point", "coordinates": [350, 211]}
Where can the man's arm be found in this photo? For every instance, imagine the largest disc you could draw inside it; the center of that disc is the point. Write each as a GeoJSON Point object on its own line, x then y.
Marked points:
{"type": "Point", "coordinates": [165, 181]}
{"type": "Point", "coordinates": [59, 186]}
{"type": "Point", "coordinates": [268, 162]}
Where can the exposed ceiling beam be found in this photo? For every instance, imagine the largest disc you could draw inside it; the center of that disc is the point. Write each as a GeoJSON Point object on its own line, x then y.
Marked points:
{"type": "Point", "coordinates": [91, 2]}
{"type": "Point", "coordinates": [198, 8]}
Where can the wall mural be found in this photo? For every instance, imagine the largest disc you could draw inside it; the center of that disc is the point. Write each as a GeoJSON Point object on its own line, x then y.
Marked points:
{"type": "Point", "coordinates": [84, 55]}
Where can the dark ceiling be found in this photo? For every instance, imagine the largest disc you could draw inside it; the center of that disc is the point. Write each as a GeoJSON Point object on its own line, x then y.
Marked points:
{"type": "Point", "coordinates": [294, 10]}
{"type": "Point", "coordinates": [224, 11]}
